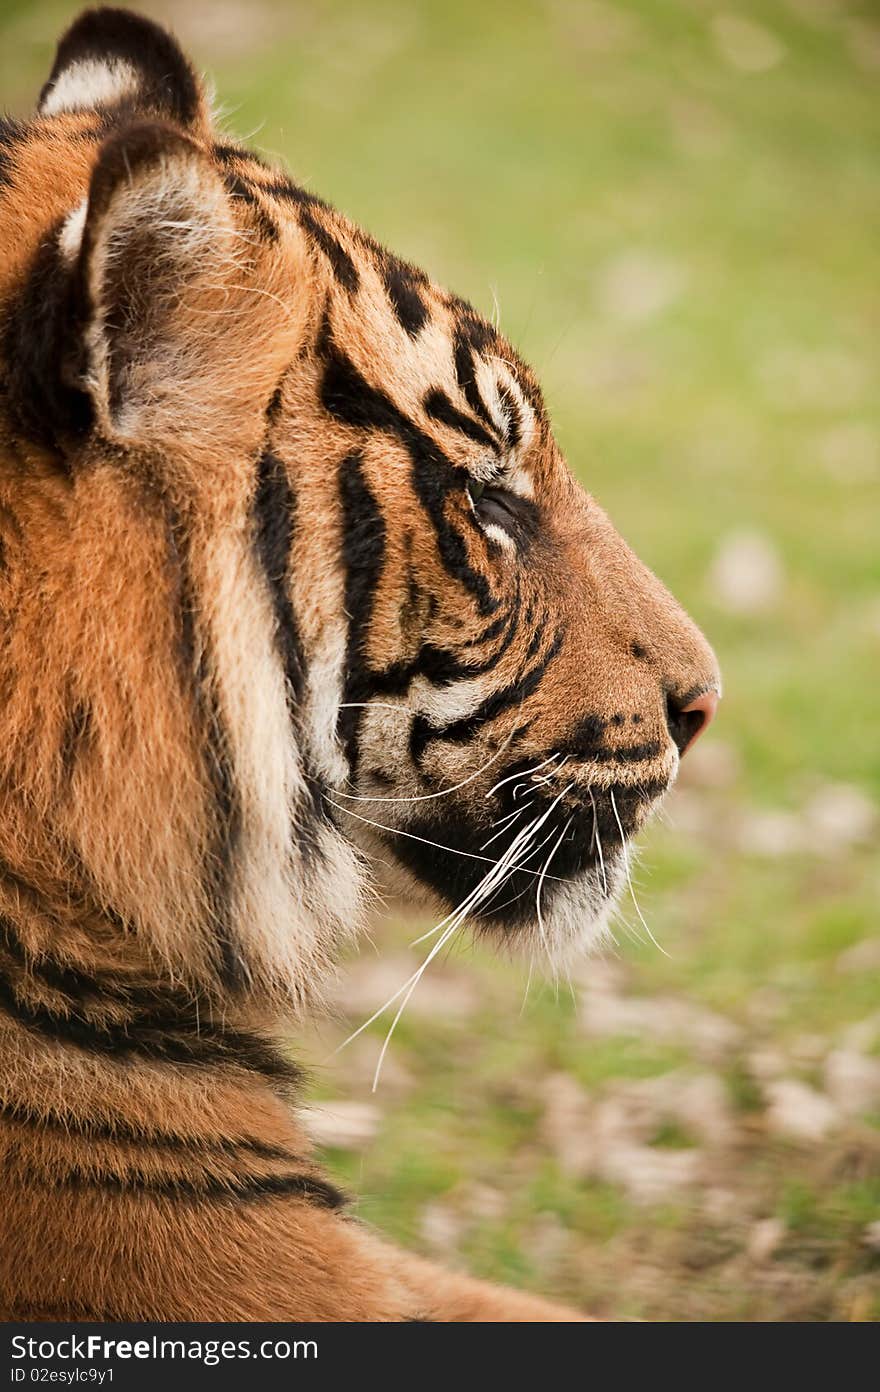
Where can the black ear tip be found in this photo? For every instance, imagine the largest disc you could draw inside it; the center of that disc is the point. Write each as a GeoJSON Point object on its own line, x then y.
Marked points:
{"type": "Point", "coordinates": [106, 29]}
{"type": "Point", "coordinates": [161, 78]}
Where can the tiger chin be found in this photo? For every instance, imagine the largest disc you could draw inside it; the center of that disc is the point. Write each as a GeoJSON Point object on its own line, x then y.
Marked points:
{"type": "Point", "coordinates": [295, 586]}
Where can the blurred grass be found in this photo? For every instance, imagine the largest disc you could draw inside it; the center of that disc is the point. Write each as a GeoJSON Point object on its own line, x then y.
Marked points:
{"type": "Point", "coordinates": [548, 158]}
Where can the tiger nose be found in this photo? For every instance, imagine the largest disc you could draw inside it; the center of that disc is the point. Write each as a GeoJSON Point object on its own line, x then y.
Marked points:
{"type": "Point", "coordinates": [687, 722]}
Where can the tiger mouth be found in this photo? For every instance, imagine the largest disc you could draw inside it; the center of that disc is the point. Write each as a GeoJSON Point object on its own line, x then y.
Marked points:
{"type": "Point", "coordinates": [506, 870]}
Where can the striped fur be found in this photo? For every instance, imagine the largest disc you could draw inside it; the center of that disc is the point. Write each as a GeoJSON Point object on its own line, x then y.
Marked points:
{"type": "Point", "coordinates": [293, 581]}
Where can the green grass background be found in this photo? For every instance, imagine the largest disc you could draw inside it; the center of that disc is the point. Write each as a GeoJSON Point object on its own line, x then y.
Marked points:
{"type": "Point", "coordinates": [527, 155]}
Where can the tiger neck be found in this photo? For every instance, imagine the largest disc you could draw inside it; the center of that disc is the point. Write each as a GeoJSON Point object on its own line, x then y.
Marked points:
{"type": "Point", "coordinates": [90, 1029]}
{"type": "Point", "coordinates": [130, 1126]}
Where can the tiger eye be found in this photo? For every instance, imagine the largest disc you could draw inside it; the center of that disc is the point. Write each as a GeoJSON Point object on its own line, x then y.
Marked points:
{"type": "Point", "coordinates": [476, 488]}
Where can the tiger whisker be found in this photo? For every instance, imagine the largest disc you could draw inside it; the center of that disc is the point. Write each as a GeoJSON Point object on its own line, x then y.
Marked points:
{"type": "Point", "coordinates": [521, 842]}
{"type": "Point", "coordinates": [509, 819]}
{"type": "Point", "coordinates": [621, 920]}
{"type": "Point", "coordinates": [512, 900]}
{"type": "Point", "coordinates": [505, 865]}
{"type": "Point", "coordinates": [385, 705]}
{"type": "Point", "coordinates": [542, 876]}
{"type": "Point", "coordinates": [528, 988]}
{"type": "Point", "coordinates": [436, 845]}
{"type": "Point", "coordinates": [520, 865]}
{"type": "Point", "coordinates": [598, 841]}
{"type": "Point", "coordinates": [520, 774]}
{"type": "Point", "coordinates": [503, 869]}
{"type": "Point", "coordinates": [454, 920]}
{"type": "Point", "coordinates": [532, 851]}
{"type": "Point", "coordinates": [459, 907]}
{"type": "Point", "coordinates": [500, 821]}
{"type": "Point", "coordinates": [381, 1010]}
{"type": "Point", "coordinates": [629, 877]}
{"type": "Point", "coordinates": [545, 778]}
{"type": "Point", "coordinates": [417, 976]}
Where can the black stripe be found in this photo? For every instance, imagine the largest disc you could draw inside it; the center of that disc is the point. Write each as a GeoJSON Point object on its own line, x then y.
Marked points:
{"type": "Point", "coordinates": [404, 285]}
{"type": "Point", "coordinates": [471, 337]}
{"type": "Point", "coordinates": [491, 631]}
{"type": "Point", "coordinates": [229, 154]}
{"type": "Point", "coordinates": [442, 667]}
{"type": "Point", "coordinates": [411, 609]}
{"type": "Point", "coordinates": [439, 665]}
{"type": "Point", "coordinates": [348, 397]}
{"type": "Point", "coordinates": [227, 811]}
{"type": "Point", "coordinates": [238, 187]}
{"type": "Point", "coordinates": [440, 408]}
{"type": "Point", "coordinates": [341, 264]}
{"type": "Point", "coordinates": [274, 514]}
{"type": "Point", "coordinates": [240, 1189]}
{"type": "Point", "coordinates": [513, 695]}
{"type": "Point", "coordinates": [183, 600]}
{"type": "Point", "coordinates": [153, 1037]}
{"type": "Point", "coordinates": [289, 192]}
{"type": "Point", "coordinates": [535, 643]}
{"type": "Point", "coordinates": [274, 520]}
{"type": "Point", "coordinates": [75, 985]}
{"type": "Point", "coordinates": [421, 733]}
{"type": "Point", "coordinates": [363, 554]}
{"type": "Point", "coordinates": [76, 737]}
{"type": "Point", "coordinates": [78, 893]}
{"type": "Point", "coordinates": [37, 349]}
{"type": "Point", "coordinates": [276, 402]}
{"type": "Point", "coordinates": [124, 1133]}
{"type": "Point", "coordinates": [587, 742]}
{"type": "Point", "coordinates": [514, 423]}
{"type": "Point", "coordinates": [154, 1004]}
{"type": "Point", "coordinates": [228, 823]}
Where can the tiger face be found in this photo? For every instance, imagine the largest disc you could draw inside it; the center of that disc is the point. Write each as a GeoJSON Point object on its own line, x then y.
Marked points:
{"type": "Point", "coordinates": [318, 599]}
{"type": "Point", "coordinates": [517, 689]}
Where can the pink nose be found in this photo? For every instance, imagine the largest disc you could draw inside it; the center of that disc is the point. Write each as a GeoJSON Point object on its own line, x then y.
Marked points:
{"type": "Point", "coordinates": [699, 716]}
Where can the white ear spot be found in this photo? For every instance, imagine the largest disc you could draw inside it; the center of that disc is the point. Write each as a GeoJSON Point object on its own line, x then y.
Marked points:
{"type": "Point", "coordinates": [71, 234]}
{"type": "Point", "coordinates": [91, 83]}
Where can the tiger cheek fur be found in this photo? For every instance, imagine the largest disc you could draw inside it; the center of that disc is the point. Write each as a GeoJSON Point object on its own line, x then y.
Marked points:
{"type": "Point", "coordinates": [294, 585]}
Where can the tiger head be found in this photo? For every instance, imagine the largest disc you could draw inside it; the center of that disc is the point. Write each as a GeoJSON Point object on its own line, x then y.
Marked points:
{"type": "Point", "coordinates": [297, 590]}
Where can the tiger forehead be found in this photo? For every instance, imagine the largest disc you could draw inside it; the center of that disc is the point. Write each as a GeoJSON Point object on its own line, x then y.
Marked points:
{"type": "Point", "coordinates": [452, 338]}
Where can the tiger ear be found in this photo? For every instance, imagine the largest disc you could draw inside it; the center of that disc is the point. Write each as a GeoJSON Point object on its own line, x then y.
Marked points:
{"type": "Point", "coordinates": [111, 59]}
{"type": "Point", "coordinates": [178, 323]}
{"type": "Point", "coordinates": [154, 248]}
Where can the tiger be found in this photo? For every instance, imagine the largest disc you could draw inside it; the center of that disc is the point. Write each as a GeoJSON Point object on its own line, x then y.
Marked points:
{"type": "Point", "coordinates": [300, 606]}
